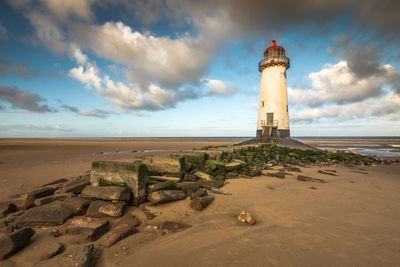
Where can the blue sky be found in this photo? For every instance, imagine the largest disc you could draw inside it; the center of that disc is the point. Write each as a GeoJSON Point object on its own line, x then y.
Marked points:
{"type": "Point", "coordinates": [120, 68]}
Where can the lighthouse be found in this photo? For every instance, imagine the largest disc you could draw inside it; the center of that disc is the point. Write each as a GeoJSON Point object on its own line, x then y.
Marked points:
{"type": "Point", "coordinates": [273, 110]}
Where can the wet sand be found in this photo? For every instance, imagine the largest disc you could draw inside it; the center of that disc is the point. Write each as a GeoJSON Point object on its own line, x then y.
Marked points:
{"type": "Point", "coordinates": [351, 220]}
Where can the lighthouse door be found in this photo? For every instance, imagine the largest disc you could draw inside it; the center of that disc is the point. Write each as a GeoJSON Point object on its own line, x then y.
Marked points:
{"type": "Point", "coordinates": [270, 118]}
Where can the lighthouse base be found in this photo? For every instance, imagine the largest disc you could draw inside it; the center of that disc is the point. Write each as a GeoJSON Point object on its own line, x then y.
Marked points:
{"type": "Point", "coordinates": [278, 133]}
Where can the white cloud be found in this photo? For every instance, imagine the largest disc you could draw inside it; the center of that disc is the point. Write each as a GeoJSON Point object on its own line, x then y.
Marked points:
{"type": "Point", "coordinates": [338, 84]}
{"type": "Point", "coordinates": [220, 88]}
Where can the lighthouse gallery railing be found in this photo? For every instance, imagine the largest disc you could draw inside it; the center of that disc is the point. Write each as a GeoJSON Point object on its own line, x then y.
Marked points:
{"type": "Point", "coordinates": [266, 61]}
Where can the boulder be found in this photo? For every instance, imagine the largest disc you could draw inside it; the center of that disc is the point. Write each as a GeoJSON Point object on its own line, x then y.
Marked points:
{"type": "Point", "coordinates": [309, 179]}
{"type": "Point", "coordinates": [76, 186]}
{"type": "Point", "coordinates": [116, 193]}
{"type": "Point", "coordinates": [77, 205]}
{"type": "Point", "coordinates": [200, 203]}
{"type": "Point", "coordinates": [167, 185]}
{"type": "Point", "coordinates": [123, 228]}
{"type": "Point", "coordinates": [100, 208]}
{"type": "Point", "coordinates": [79, 256]}
{"type": "Point", "coordinates": [38, 193]}
{"type": "Point", "coordinates": [280, 175]}
{"type": "Point", "coordinates": [130, 175]}
{"type": "Point", "coordinates": [164, 196]}
{"type": "Point", "coordinates": [7, 208]}
{"type": "Point", "coordinates": [163, 165]}
{"type": "Point", "coordinates": [292, 169]}
{"type": "Point", "coordinates": [43, 216]}
{"type": "Point", "coordinates": [46, 200]}
{"type": "Point", "coordinates": [190, 177]}
{"type": "Point", "coordinates": [234, 165]}
{"type": "Point", "coordinates": [214, 165]}
{"type": "Point", "coordinates": [12, 242]}
{"type": "Point", "coordinates": [189, 187]}
{"type": "Point", "coordinates": [89, 228]}
{"type": "Point", "coordinates": [199, 193]}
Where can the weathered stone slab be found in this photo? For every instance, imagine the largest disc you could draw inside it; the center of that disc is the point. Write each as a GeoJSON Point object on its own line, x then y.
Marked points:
{"type": "Point", "coordinates": [123, 228]}
{"type": "Point", "coordinates": [280, 175]}
{"type": "Point", "coordinates": [167, 185]}
{"type": "Point", "coordinates": [164, 196]}
{"type": "Point", "coordinates": [38, 193]}
{"type": "Point", "coordinates": [163, 165]}
{"type": "Point", "coordinates": [131, 175]}
{"type": "Point", "coordinates": [200, 203]}
{"type": "Point", "coordinates": [199, 193]}
{"type": "Point", "coordinates": [89, 228]}
{"type": "Point", "coordinates": [46, 200]}
{"type": "Point", "coordinates": [309, 179]}
{"type": "Point", "coordinates": [189, 187]}
{"type": "Point", "coordinates": [116, 193]}
{"type": "Point", "coordinates": [7, 208]}
{"type": "Point", "coordinates": [77, 205]}
{"type": "Point", "coordinates": [100, 208]}
{"type": "Point", "coordinates": [43, 216]}
{"type": "Point", "coordinates": [76, 186]}
{"type": "Point", "coordinates": [12, 242]}
{"type": "Point", "coordinates": [80, 256]}
{"type": "Point", "coordinates": [42, 247]}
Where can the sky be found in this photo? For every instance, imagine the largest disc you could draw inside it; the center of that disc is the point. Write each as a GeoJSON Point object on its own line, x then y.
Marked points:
{"type": "Point", "coordinates": [175, 68]}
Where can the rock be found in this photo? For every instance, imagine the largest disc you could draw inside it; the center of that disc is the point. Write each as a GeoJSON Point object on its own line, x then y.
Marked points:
{"type": "Point", "coordinates": [203, 175]}
{"type": "Point", "coordinates": [38, 193]}
{"type": "Point", "coordinates": [130, 175]}
{"type": "Point", "coordinates": [13, 216]}
{"type": "Point", "coordinates": [280, 175]}
{"type": "Point", "coordinates": [41, 247]}
{"type": "Point", "coordinates": [100, 208]}
{"type": "Point", "coordinates": [246, 217]}
{"type": "Point", "coordinates": [7, 208]}
{"type": "Point", "coordinates": [214, 165]}
{"type": "Point", "coordinates": [292, 169]}
{"type": "Point", "coordinates": [163, 165]}
{"type": "Point", "coordinates": [309, 179]}
{"type": "Point", "coordinates": [199, 193]}
{"type": "Point", "coordinates": [149, 215]}
{"type": "Point", "coordinates": [312, 187]}
{"type": "Point", "coordinates": [89, 228]}
{"type": "Point", "coordinates": [12, 242]}
{"type": "Point", "coordinates": [172, 227]}
{"type": "Point", "coordinates": [233, 166]}
{"type": "Point", "coordinates": [200, 203]}
{"type": "Point", "coordinates": [190, 177]}
{"type": "Point", "coordinates": [164, 196]}
{"type": "Point", "coordinates": [218, 191]}
{"type": "Point", "coordinates": [77, 205]}
{"type": "Point", "coordinates": [328, 173]}
{"type": "Point", "coordinates": [167, 185]}
{"type": "Point", "coordinates": [43, 216]}
{"type": "Point", "coordinates": [80, 256]}
{"type": "Point", "coordinates": [5, 229]}
{"type": "Point", "coordinates": [76, 186]}
{"type": "Point", "coordinates": [116, 193]}
{"type": "Point", "coordinates": [188, 187]}
{"type": "Point", "coordinates": [48, 199]}
{"type": "Point", "coordinates": [123, 228]}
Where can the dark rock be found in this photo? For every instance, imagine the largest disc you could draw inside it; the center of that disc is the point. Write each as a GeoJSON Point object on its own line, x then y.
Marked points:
{"type": "Point", "coordinates": [57, 182]}
{"type": "Point", "coordinates": [49, 199]}
{"type": "Point", "coordinates": [325, 172]}
{"type": "Point", "coordinates": [172, 227]}
{"type": "Point", "coordinates": [149, 215]}
{"type": "Point", "coordinates": [77, 205]}
{"type": "Point", "coordinates": [41, 247]}
{"type": "Point", "coordinates": [189, 187]}
{"type": "Point", "coordinates": [309, 179]}
{"type": "Point", "coordinates": [190, 177]}
{"type": "Point", "coordinates": [12, 242]}
{"type": "Point", "coordinates": [292, 169]}
{"type": "Point", "coordinates": [38, 193]}
{"type": "Point", "coordinates": [43, 216]}
{"type": "Point", "coordinates": [167, 185]}
{"type": "Point", "coordinates": [7, 208]}
{"type": "Point", "coordinates": [199, 193]}
{"type": "Point", "coordinates": [165, 196]}
{"type": "Point", "coordinates": [100, 208]}
{"type": "Point", "coordinates": [116, 193]}
{"type": "Point", "coordinates": [200, 203]}
{"type": "Point", "coordinates": [80, 256]}
{"type": "Point", "coordinates": [89, 228]}
{"type": "Point", "coordinates": [76, 186]}
{"type": "Point", "coordinates": [312, 187]}
{"type": "Point", "coordinates": [280, 175]}
{"type": "Point", "coordinates": [123, 228]}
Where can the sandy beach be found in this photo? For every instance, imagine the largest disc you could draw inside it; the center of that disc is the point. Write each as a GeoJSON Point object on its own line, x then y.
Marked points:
{"type": "Point", "coordinates": [351, 220]}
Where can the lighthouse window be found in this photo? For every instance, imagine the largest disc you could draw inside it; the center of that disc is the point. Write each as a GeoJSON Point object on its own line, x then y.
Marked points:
{"type": "Point", "coordinates": [262, 103]}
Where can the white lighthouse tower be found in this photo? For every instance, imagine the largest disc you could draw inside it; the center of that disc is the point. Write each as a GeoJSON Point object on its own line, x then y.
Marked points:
{"type": "Point", "coordinates": [273, 111]}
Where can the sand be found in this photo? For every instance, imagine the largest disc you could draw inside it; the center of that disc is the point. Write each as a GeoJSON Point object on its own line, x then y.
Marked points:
{"type": "Point", "coordinates": [352, 220]}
